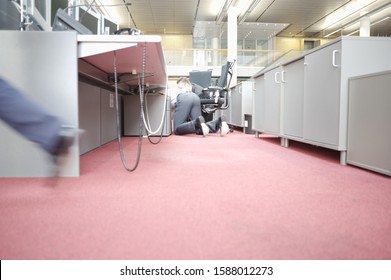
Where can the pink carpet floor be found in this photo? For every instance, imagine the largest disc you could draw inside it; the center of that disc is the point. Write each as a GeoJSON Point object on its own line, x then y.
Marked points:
{"type": "Point", "coordinates": [233, 197]}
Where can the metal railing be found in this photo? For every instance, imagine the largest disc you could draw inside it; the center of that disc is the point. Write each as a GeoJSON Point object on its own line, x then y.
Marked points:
{"type": "Point", "coordinates": [201, 59]}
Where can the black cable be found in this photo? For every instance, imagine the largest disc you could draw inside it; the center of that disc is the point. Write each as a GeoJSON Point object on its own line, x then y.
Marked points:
{"type": "Point", "coordinates": [142, 88]}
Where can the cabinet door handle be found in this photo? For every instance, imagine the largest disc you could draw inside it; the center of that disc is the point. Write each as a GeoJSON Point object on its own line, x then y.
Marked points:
{"type": "Point", "coordinates": [276, 77]}
{"type": "Point", "coordinates": [283, 76]}
{"type": "Point", "coordinates": [334, 58]}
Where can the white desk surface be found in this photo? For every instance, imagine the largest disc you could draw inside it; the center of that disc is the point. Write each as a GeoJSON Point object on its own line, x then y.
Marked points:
{"type": "Point", "coordinates": [98, 53]}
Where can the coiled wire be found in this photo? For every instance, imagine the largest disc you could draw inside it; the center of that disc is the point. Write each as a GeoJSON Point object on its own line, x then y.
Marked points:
{"type": "Point", "coordinates": [143, 119]}
{"type": "Point", "coordinates": [123, 160]}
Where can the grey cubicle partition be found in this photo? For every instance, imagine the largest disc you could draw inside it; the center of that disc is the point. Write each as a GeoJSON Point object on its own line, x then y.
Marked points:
{"type": "Point", "coordinates": [369, 128]}
{"type": "Point", "coordinates": [97, 116]}
{"type": "Point", "coordinates": [43, 65]}
{"type": "Point", "coordinates": [89, 119]}
{"type": "Point", "coordinates": [10, 17]}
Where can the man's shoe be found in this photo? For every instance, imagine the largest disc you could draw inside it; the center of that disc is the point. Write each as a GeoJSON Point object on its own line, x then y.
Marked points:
{"type": "Point", "coordinates": [66, 139]}
{"type": "Point", "coordinates": [201, 126]}
{"type": "Point", "coordinates": [224, 128]}
{"type": "Point", "coordinates": [65, 142]}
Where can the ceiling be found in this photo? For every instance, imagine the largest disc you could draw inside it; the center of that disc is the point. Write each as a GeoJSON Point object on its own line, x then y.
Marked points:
{"type": "Point", "coordinates": [290, 18]}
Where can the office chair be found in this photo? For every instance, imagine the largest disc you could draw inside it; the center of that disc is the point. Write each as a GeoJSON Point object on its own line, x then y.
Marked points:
{"type": "Point", "coordinates": [215, 97]}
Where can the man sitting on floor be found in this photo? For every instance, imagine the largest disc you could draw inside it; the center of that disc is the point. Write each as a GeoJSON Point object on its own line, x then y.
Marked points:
{"type": "Point", "coordinates": [188, 117]}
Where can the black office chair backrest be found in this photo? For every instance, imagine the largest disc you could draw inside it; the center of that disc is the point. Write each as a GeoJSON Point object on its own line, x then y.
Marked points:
{"type": "Point", "coordinates": [226, 70]}
{"type": "Point", "coordinates": [216, 97]}
{"type": "Point", "coordinates": [223, 77]}
{"type": "Point", "coordinates": [201, 78]}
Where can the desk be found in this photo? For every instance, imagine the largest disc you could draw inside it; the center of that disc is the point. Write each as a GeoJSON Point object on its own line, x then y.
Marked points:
{"type": "Point", "coordinates": [133, 55]}
{"type": "Point", "coordinates": [97, 53]}
{"type": "Point", "coordinates": [45, 66]}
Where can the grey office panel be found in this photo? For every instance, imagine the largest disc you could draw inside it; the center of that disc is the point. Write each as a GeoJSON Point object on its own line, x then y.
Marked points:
{"type": "Point", "coordinates": [110, 26]}
{"type": "Point", "coordinates": [43, 66]}
{"type": "Point", "coordinates": [9, 16]}
{"type": "Point", "coordinates": [369, 129]}
{"type": "Point", "coordinates": [55, 5]}
{"type": "Point", "coordinates": [108, 116]}
{"type": "Point", "coordinates": [155, 105]}
{"type": "Point", "coordinates": [90, 119]}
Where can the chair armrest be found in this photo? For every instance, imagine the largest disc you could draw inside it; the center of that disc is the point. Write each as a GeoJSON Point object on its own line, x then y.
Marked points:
{"type": "Point", "coordinates": [212, 101]}
{"type": "Point", "coordinates": [212, 88]}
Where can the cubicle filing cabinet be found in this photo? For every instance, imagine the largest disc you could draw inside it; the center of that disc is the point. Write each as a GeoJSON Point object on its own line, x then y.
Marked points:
{"type": "Point", "coordinates": [241, 103]}
{"type": "Point", "coordinates": [322, 93]}
{"type": "Point", "coordinates": [267, 102]}
{"type": "Point", "coordinates": [273, 81]}
{"type": "Point", "coordinates": [314, 105]}
{"type": "Point", "coordinates": [293, 99]}
{"type": "Point", "coordinates": [326, 73]}
{"type": "Point", "coordinates": [369, 129]}
{"type": "Point", "coordinates": [235, 108]}
{"type": "Point", "coordinates": [258, 104]}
